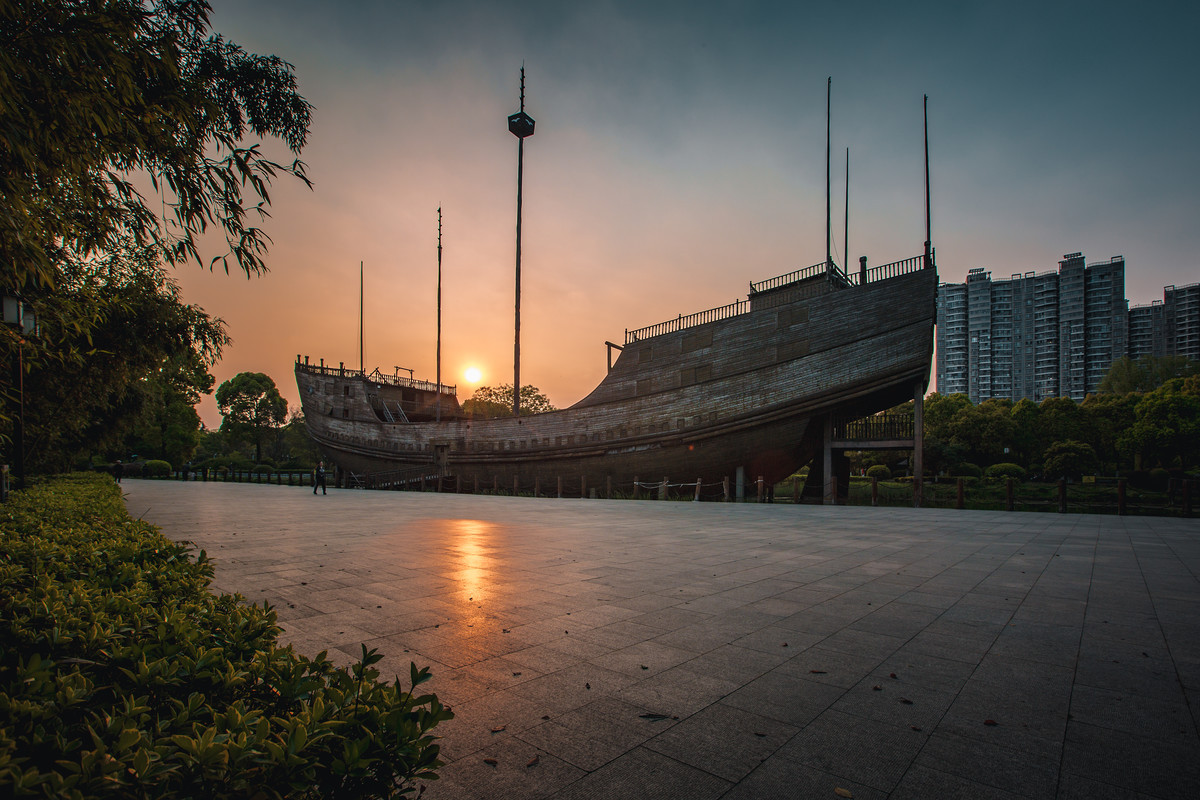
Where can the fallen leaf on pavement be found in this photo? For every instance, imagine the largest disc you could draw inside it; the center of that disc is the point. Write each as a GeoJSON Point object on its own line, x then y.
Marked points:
{"type": "Point", "coordinates": [533, 761]}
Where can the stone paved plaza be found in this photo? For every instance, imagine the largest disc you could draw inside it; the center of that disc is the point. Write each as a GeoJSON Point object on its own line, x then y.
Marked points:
{"type": "Point", "coordinates": [641, 649]}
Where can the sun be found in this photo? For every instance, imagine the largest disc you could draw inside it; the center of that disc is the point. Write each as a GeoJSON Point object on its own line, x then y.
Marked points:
{"type": "Point", "coordinates": [473, 375]}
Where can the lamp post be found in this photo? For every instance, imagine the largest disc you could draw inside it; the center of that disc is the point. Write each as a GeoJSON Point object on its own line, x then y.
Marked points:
{"type": "Point", "coordinates": [19, 315]}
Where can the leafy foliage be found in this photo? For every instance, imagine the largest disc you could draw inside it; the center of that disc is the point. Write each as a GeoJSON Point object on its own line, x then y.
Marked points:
{"type": "Point", "coordinates": [252, 408]}
{"type": "Point", "coordinates": [105, 100]}
{"type": "Point", "coordinates": [496, 401]}
{"type": "Point", "coordinates": [1005, 470]}
{"type": "Point", "coordinates": [122, 676]}
{"type": "Point", "coordinates": [1145, 374]}
{"type": "Point", "coordinates": [118, 350]}
{"type": "Point", "coordinates": [879, 471]}
{"type": "Point", "coordinates": [1069, 459]}
{"type": "Point", "coordinates": [158, 469]}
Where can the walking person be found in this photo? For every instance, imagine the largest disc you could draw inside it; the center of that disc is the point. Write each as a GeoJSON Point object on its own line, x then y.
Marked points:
{"type": "Point", "coordinates": [319, 477]}
{"type": "Point", "coordinates": [118, 469]}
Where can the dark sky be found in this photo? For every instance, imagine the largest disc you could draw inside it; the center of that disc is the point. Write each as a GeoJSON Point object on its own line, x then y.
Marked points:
{"type": "Point", "coordinates": [680, 154]}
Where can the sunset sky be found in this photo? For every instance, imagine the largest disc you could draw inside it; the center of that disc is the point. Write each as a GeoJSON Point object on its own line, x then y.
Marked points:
{"type": "Point", "coordinates": [680, 154]}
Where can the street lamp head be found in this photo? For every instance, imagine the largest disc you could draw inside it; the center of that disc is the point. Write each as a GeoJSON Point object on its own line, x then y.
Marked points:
{"type": "Point", "coordinates": [19, 314]}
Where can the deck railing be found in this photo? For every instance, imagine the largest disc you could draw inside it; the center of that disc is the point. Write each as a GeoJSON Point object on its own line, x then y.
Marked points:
{"type": "Point", "coordinates": [836, 275]}
{"type": "Point", "coordinates": [377, 377]}
{"type": "Point", "coordinates": [690, 321]}
{"type": "Point", "coordinates": [877, 427]}
{"type": "Point", "coordinates": [791, 277]}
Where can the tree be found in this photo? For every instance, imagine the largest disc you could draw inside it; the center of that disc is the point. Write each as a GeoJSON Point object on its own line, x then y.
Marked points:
{"type": "Point", "coordinates": [121, 128]}
{"type": "Point", "coordinates": [293, 444]}
{"type": "Point", "coordinates": [1069, 459]}
{"type": "Point", "coordinates": [169, 428]}
{"type": "Point", "coordinates": [496, 401]}
{"type": "Point", "coordinates": [1109, 416]}
{"type": "Point", "coordinates": [252, 408]}
{"type": "Point", "coordinates": [103, 101]}
{"type": "Point", "coordinates": [1167, 425]}
{"type": "Point", "coordinates": [1145, 374]}
{"type": "Point", "coordinates": [115, 334]}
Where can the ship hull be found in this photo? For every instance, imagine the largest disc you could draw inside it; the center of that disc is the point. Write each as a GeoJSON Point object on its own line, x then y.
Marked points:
{"type": "Point", "coordinates": [750, 392]}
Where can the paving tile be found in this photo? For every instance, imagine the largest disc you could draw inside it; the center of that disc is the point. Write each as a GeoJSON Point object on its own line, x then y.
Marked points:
{"type": "Point", "coordinates": [922, 783]}
{"type": "Point", "coordinates": [723, 740]}
{"type": "Point", "coordinates": [1077, 635]}
{"type": "Point", "coordinates": [781, 778]}
{"type": "Point", "coordinates": [1021, 773]}
{"type": "Point", "coordinates": [872, 753]}
{"type": "Point", "coordinates": [642, 774]}
{"type": "Point", "coordinates": [1134, 763]}
{"type": "Point", "coordinates": [783, 697]}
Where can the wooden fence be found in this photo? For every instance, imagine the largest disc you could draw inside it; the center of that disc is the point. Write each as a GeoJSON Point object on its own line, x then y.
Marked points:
{"type": "Point", "coordinates": [1113, 497]}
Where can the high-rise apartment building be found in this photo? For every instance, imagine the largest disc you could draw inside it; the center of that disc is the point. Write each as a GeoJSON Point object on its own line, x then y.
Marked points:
{"type": "Point", "coordinates": [1033, 335]}
{"type": "Point", "coordinates": [1170, 327]}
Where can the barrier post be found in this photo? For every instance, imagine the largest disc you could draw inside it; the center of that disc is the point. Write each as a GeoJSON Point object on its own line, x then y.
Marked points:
{"type": "Point", "coordinates": [1062, 496]}
{"type": "Point", "coordinates": [662, 489]}
{"type": "Point", "coordinates": [874, 491]}
{"type": "Point", "coordinates": [1121, 496]}
{"type": "Point", "coordinates": [696, 498]}
{"type": "Point", "coordinates": [961, 502]}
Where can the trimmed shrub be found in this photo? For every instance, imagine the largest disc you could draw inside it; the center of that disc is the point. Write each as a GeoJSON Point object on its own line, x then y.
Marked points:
{"type": "Point", "coordinates": [879, 471]}
{"type": "Point", "coordinates": [121, 675]}
{"type": "Point", "coordinates": [967, 470]}
{"type": "Point", "coordinates": [259, 469]}
{"type": "Point", "coordinates": [157, 469]}
{"type": "Point", "coordinates": [1005, 470]}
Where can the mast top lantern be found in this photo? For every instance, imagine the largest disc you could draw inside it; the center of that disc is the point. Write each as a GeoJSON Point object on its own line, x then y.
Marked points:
{"type": "Point", "coordinates": [521, 124]}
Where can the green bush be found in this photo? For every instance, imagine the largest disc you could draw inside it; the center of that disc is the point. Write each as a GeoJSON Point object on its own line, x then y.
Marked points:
{"type": "Point", "coordinates": [121, 675]}
{"type": "Point", "coordinates": [879, 471]}
{"type": "Point", "coordinates": [967, 470]}
{"type": "Point", "coordinates": [157, 469]}
{"type": "Point", "coordinates": [1005, 470]}
{"type": "Point", "coordinates": [266, 469]}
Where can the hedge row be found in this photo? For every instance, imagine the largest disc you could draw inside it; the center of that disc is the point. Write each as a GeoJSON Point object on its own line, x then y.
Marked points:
{"type": "Point", "coordinates": [122, 675]}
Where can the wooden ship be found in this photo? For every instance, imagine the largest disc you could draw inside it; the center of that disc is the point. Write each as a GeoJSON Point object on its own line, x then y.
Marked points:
{"type": "Point", "coordinates": [744, 391]}
{"type": "Point", "coordinates": [748, 387]}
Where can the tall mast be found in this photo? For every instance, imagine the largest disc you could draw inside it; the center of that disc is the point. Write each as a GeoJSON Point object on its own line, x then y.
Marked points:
{"type": "Point", "coordinates": [846, 232]}
{"type": "Point", "coordinates": [828, 212]}
{"type": "Point", "coordinates": [438, 401]}
{"type": "Point", "coordinates": [361, 365]}
{"type": "Point", "coordinates": [928, 230]}
{"type": "Point", "coordinates": [521, 126]}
